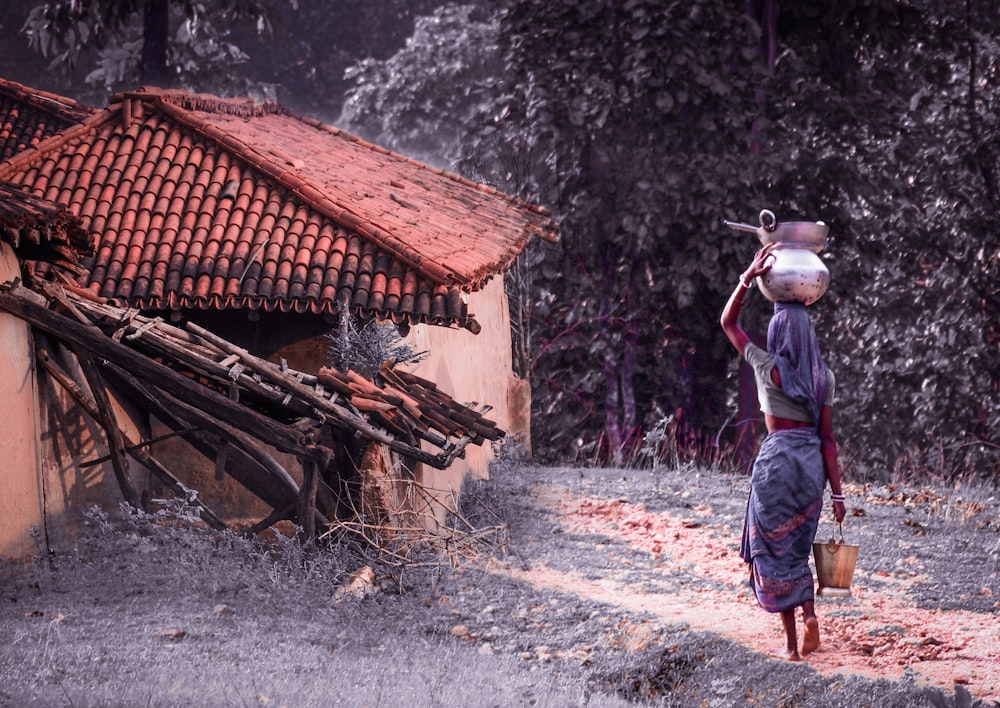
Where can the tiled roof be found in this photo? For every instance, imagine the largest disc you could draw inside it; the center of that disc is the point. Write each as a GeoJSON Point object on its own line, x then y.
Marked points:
{"type": "Point", "coordinates": [28, 116]}
{"type": "Point", "coordinates": [40, 230]}
{"type": "Point", "coordinates": [207, 203]}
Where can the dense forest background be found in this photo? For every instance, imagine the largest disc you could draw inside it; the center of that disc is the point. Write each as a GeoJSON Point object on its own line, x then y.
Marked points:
{"type": "Point", "coordinates": [642, 124]}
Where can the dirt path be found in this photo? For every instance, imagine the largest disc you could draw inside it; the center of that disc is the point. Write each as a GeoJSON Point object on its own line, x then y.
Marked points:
{"type": "Point", "coordinates": [875, 633]}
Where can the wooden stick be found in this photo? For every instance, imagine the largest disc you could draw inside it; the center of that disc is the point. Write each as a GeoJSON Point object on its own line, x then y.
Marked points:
{"type": "Point", "coordinates": [274, 374]}
{"type": "Point", "coordinates": [138, 446]}
{"type": "Point", "coordinates": [137, 451]}
{"type": "Point", "coordinates": [175, 485]}
{"type": "Point", "coordinates": [66, 381]}
{"type": "Point", "coordinates": [307, 500]}
{"type": "Point", "coordinates": [220, 461]}
{"type": "Point", "coordinates": [271, 519]}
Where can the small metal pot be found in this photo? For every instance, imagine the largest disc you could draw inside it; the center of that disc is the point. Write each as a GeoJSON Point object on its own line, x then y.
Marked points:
{"type": "Point", "coordinates": [806, 233]}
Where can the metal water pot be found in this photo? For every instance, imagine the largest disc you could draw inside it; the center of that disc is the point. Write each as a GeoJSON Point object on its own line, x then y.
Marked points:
{"type": "Point", "coordinates": [797, 273]}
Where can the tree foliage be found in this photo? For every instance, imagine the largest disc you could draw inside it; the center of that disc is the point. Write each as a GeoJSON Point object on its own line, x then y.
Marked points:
{"type": "Point", "coordinates": [642, 111]}
{"type": "Point", "coordinates": [131, 40]}
{"type": "Point", "coordinates": [912, 326]}
{"type": "Point", "coordinates": [421, 100]}
{"type": "Point", "coordinates": [657, 119]}
{"type": "Point", "coordinates": [644, 123]}
{"type": "Point", "coordinates": [272, 49]}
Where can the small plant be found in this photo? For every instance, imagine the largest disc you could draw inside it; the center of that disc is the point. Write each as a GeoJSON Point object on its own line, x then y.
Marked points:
{"type": "Point", "coordinates": [659, 445]}
{"type": "Point", "coordinates": [366, 348]}
{"type": "Point", "coordinates": [962, 698]}
{"type": "Point", "coordinates": [177, 511]}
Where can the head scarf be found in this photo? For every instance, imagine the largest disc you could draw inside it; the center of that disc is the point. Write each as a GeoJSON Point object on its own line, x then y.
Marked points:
{"type": "Point", "coordinates": [792, 342]}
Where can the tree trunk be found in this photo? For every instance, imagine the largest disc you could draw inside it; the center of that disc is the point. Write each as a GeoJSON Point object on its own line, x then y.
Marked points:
{"type": "Point", "coordinates": [155, 34]}
{"type": "Point", "coordinates": [765, 14]}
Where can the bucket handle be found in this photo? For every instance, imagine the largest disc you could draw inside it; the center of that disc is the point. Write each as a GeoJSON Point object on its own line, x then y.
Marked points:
{"type": "Point", "coordinates": [832, 546]}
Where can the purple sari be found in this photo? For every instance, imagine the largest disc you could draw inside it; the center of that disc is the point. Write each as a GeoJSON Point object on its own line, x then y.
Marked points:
{"type": "Point", "coordinates": [783, 510]}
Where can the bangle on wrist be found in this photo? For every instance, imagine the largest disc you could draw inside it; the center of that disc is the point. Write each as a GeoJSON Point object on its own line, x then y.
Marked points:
{"type": "Point", "coordinates": [745, 282]}
{"type": "Point", "coordinates": [837, 498]}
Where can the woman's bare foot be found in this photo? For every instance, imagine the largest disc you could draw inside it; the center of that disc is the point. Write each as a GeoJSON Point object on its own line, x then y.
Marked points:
{"type": "Point", "coordinates": [810, 642]}
{"type": "Point", "coordinates": [791, 641]}
{"type": "Point", "coordinates": [785, 654]}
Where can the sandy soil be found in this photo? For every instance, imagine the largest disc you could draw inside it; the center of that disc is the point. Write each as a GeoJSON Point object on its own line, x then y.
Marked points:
{"type": "Point", "coordinates": [681, 565]}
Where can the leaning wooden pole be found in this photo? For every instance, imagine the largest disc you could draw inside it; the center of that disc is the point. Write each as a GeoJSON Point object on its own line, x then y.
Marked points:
{"type": "Point", "coordinates": [247, 463]}
{"type": "Point", "coordinates": [175, 485]}
{"type": "Point", "coordinates": [283, 437]}
{"type": "Point", "coordinates": [108, 421]}
{"type": "Point", "coordinates": [307, 500]}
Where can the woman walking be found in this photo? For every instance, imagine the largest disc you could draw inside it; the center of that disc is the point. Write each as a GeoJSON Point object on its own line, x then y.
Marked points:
{"type": "Point", "coordinates": [796, 459]}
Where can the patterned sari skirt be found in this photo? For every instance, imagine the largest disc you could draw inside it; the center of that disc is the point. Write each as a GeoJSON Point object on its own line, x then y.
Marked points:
{"type": "Point", "coordinates": [786, 498]}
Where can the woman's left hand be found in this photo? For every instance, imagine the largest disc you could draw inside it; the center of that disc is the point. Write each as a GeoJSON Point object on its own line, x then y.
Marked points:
{"type": "Point", "coordinates": [839, 512]}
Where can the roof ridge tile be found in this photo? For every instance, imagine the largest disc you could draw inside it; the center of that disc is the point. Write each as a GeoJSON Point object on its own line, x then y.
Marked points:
{"type": "Point", "coordinates": [479, 186]}
{"type": "Point", "coordinates": [28, 156]}
{"type": "Point", "coordinates": [54, 104]}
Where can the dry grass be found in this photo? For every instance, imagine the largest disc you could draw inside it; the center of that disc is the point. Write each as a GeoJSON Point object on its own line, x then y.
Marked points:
{"type": "Point", "coordinates": [147, 613]}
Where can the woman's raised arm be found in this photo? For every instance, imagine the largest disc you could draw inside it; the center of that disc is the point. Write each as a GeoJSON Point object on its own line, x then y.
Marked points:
{"type": "Point", "coordinates": [761, 263]}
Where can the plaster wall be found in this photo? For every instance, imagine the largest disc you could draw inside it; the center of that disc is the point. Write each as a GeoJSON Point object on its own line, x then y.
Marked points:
{"type": "Point", "coordinates": [20, 489]}
{"type": "Point", "coordinates": [475, 369]}
{"type": "Point", "coordinates": [46, 443]}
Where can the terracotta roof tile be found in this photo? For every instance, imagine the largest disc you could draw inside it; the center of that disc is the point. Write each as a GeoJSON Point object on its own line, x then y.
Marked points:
{"type": "Point", "coordinates": [201, 202]}
{"type": "Point", "coordinates": [29, 116]}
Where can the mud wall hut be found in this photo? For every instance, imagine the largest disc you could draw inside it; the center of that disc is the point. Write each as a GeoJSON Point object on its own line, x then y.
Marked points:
{"type": "Point", "coordinates": [267, 227]}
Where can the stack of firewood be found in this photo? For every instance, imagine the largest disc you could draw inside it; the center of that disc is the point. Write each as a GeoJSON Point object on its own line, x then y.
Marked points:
{"type": "Point", "coordinates": [41, 230]}
{"type": "Point", "coordinates": [234, 406]}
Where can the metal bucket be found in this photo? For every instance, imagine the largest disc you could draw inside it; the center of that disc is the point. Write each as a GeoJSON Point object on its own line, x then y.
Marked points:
{"type": "Point", "coordinates": [802, 233]}
{"type": "Point", "coordinates": [835, 561]}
